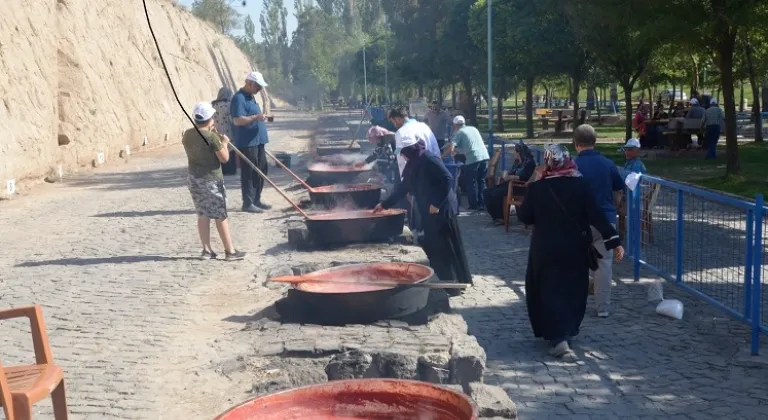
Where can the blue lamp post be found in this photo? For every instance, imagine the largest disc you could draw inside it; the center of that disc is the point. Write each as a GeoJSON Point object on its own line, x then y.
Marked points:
{"type": "Point", "coordinates": [490, 79]}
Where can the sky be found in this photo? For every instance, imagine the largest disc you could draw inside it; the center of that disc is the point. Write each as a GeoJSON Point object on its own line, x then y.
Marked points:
{"type": "Point", "coordinates": [253, 8]}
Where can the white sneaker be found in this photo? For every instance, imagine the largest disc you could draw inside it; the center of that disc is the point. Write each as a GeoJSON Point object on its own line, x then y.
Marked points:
{"type": "Point", "coordinates": [603, 314]}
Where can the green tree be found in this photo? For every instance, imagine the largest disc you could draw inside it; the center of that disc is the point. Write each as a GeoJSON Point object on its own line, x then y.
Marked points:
{"type": "Point", "coordinates": [220, 13]}
{"type": "Point", "coordinates": [618, 39]}
{"type": "Point", "coordinates": [274, 34]}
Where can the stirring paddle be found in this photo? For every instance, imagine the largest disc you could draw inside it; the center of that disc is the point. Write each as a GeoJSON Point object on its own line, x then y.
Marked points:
{"type": "Point", "coordinates": [282, 165]}
{"type": "Point", "coordinates": [309, 278]}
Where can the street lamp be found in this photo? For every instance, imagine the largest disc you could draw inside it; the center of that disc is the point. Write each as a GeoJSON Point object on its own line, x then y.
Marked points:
{"type": "Point", "coordinates": [490, 79]}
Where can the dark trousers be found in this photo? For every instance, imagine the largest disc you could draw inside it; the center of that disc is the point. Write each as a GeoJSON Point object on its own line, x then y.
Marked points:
{"type": "Point", "coordinates": [251, 183]}
{"type": "Point", "coordinates": [712, 136]}
{"type": "Point", "coordinates": [475, 182]}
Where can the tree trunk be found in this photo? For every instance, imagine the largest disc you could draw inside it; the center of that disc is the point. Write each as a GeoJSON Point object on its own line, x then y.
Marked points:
{"type": "Point", "coordinates": [591, 91]}
{"type": "Point", "coordinates": [599, 117]}
{"type": "Point", "coordinates": [453, 95]}
{"type": "Point", "coordinates": [500, 104]}
{"type": "Point", "coordinates": [765, 94]}
{"type": "Point", "coordinates": [755, 94]}
{"type": "Point", "coordinates": [672, 101]}
{"type": "Point", "coordinates": [517, 110]}
{"type": "Point", "coordinates": [575, 89]}
{"type": "Point", "coordinates": [741, 99]}
{"type": "Point", "coordinates": [471, 104]}
{"type": "Point", "coordinates": [421, 90]}
{"type": "Point", "coordinates": [725, 51]}
{"type": "Point", "coordinates": [695, 79]}
{"type": "Point", "coordinates": [529, 82]}
{"type": "Point", "coordinates": [627, 85]}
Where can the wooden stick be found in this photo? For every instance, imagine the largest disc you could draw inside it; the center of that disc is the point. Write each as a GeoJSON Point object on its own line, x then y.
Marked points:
{"type": "Point", "coordinates": [269, 181]}
{"type": "Point", "coordinates": [305, 279]}
{"type": "Point", "coordinates": [301, 181]}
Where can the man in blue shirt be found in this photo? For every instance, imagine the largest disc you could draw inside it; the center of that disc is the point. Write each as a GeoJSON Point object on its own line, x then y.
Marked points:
{"type": "Point", "coordinates": [607, 185]}
{"type": "Point", "coordinates": [250, 134]}
{"type": "Point", "coordinates": [632, 156]}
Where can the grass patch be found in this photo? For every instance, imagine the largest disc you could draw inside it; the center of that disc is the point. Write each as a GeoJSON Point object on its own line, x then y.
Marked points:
{"type": "Point", "coordinates": [516, 129]}
{"type": "Point", "coordinates": [752, 180]}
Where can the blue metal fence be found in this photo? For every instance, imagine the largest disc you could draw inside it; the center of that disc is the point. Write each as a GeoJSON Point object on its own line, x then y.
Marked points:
{"type": "Point", "coordinates": [707, 243]}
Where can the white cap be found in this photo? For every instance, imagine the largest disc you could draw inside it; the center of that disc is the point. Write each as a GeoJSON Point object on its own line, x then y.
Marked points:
{"type": "Point", "coordinates": [403, 141]}
{"type": "Point", "coordinates": [459, 120]}
{"type": "Point", "coordinates": [694, 101]}
{"type": "Point", "coordinates": [713, 101]}
{"type": "Point", "coordinates": [257, 78]}
{"type": "Point", "coordinates": [632, 144]}
{"type": "Point", "coordinates": [203, 112]}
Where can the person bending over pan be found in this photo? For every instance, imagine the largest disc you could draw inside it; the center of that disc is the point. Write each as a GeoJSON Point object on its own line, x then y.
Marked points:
{"type": "Point", "coordinates": [206, 180]}
{"type": "Point", "coordinates": [429, 182]}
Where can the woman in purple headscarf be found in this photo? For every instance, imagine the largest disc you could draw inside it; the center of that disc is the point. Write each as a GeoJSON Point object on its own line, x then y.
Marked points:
{"type": "Point", "coordinates": [561, 207]}
{"type": "Point", "coordinates": [426, 178]}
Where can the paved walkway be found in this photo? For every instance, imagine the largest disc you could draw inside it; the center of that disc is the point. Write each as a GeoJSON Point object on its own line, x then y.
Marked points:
{"type": "Point", "coordinates": [132, 315]}
{"type": "Point", "coordinates": [635, 364]}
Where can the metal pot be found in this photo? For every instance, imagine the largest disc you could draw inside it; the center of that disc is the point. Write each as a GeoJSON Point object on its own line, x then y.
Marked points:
{"type": "Point", "coordinates": [323, 174]}
{"type": "Point", "coordinates": [355, 226]}
{"type": "Point", "coordinates": [359, 399]}
{"type": "Point", "coordinates": [341, 304]}
{"type": "Point", "coordinates": [364, 196]}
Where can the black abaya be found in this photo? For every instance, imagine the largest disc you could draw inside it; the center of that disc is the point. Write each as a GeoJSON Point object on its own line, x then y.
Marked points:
{"type": "Point", "coordinates": [494, 197]}
{"type": "Point", "coordinates": [429, 182]}
{"type": "Point", "coordinates": [557, 276]}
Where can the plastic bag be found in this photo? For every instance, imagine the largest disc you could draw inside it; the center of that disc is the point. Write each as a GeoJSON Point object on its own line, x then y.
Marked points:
{"type": "Point", "coordinates": [671, 308]}
{"type": "Point", "coordinates": [656, 291]}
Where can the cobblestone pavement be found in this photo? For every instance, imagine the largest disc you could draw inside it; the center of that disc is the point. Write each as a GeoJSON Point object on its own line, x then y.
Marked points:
{"type": "Point", "coordinates": [635, 364]}
{"type": "Point", "coordinates": [133, 317]}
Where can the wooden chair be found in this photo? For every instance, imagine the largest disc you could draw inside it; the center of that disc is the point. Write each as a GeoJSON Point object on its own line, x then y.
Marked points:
{"type": "Point", "coordinates": [493, 165]}
{"type": "Point", "coordinates": [512, 200]}
{"type": "Point", "coordinates": [23, 386]}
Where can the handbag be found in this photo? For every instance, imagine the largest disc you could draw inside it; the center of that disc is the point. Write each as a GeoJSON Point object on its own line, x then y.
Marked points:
{"type": "Point", "coordinates": [593, 255]}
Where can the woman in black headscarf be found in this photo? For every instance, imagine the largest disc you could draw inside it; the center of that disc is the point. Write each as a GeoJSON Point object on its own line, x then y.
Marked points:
{"type": "Point", "coordinates": [429, 182]}
{"type": "Point", "coordinates": [521, 170]}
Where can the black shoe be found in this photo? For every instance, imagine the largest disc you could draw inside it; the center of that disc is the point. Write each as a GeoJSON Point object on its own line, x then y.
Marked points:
{"type": "Point", "coordinates": [208, 255]}
{"type": "Point", "coordinates": [236, 256]}
{"type": "Point", "coordinates": [252, 209]}
{"type": "Point", "coordinates": [263, 206]}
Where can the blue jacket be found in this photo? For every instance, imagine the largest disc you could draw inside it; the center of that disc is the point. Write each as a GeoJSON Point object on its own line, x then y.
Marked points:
{"type": "Point", "coordinates": [604, 179]}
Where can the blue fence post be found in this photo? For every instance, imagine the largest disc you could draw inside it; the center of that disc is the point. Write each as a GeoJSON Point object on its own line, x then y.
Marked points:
{"type": "Point", "coordinates": [629, 198]}
{"type": "Point", "coordinates": [636, 230]}
{"type": "Point", "coordinates": [757, 274]}
{"type": "Point", "coordinates": [748, 264]}
{"type": "Point", "coordinates": [679, 238]}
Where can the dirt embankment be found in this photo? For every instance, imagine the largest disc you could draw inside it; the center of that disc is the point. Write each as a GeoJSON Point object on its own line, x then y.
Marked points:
{"type": "Point", "coordinates": [79, 78]}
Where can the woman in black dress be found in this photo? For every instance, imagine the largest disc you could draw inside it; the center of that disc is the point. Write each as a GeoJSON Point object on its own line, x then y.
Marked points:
{"type": "Point", "coordinates": [426, 178]}
{"type": "Point", "coordinates": [561, 207]}
{"type": "Point", "coordinates": [521, 170]}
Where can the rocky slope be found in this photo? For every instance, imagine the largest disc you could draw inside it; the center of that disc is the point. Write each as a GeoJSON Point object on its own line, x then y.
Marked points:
{"type": "Point", "coordinates": [79, 78]}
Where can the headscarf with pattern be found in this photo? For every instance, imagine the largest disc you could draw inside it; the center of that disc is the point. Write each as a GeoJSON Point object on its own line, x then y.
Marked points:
{"type": "Point", "coordinates": [558, 162]}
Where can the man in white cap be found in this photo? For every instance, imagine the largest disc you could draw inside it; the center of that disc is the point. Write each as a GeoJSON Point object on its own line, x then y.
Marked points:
{"type": "Point", "coordinates": [714, 120]}
{"type": "Point", "coordinates": [469, 142]}
{"type": "Point", "coordinates": [696, 110]}
{"type": "Point", "coordinates": [206, 180]}
{"type": "Point", "coordinates": [251, 137]}
{"type": "Point", "coordinates": [632, 156]}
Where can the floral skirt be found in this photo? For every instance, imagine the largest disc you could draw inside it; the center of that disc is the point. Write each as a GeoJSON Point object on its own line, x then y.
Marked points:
{"type": "Point", "coordinates": [209, 196]}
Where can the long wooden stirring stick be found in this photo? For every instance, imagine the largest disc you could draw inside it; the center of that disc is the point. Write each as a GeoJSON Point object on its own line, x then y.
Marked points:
{"type": "Point", "coordinates": [301, 181]}
{"type": "Point", "coordinates": [269, 181]}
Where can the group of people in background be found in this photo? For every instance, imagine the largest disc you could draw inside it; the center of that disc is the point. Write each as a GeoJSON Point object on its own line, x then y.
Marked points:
{"type": "Point", "coordinates": [710, 121]}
